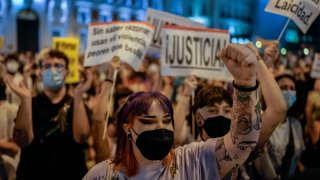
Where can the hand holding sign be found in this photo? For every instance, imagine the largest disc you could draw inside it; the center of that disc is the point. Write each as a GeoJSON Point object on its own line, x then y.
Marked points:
{"type": "Point", "coordinates": [112, 66]}
{"type": "Point", "coordinates": [241, 63]}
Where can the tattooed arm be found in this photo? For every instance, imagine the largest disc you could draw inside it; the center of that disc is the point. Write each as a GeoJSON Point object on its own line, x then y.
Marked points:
{"type": "Point", "coordinates": [234, 148]}
{"type": "Point", "coordinates": [275, 103]}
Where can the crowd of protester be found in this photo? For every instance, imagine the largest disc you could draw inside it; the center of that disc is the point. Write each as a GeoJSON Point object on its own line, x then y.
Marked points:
{"type": "Point", "coordinates": [53, 130]}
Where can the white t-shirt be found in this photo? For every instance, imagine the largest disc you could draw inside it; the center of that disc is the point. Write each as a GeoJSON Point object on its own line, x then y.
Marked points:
{"type": "Point", "coordinates": [193, 161]}
{"type": "Point", "coordinates": [268, 163]}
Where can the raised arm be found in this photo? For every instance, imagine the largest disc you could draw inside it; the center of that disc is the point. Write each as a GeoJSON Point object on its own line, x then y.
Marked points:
{"type": "Point", "coordinates": [276, 106]}
{"type": "Point", "coordinates": [234, 148]}
{"type": "Point", "coordinates": [80, 124]}
{"type": "Point", "coordinates": [23, 129]}
{"type": "Point", "coordinates": [308, 109]}
{"type": "Point", "coordinates": [103, 147]}
{"type": "Point", "coordinates": [182, 110]}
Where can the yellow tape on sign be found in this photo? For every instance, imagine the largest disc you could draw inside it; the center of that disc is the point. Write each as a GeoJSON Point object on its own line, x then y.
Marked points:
{"type": "Point", "coordinates": [70, 46]}
{"type": "Point", "coordinates": [1, 42]}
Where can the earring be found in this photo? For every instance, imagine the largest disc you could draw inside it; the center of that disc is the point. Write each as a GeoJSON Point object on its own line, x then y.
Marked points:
{"type": "Point", "coordinates": [129, 137]}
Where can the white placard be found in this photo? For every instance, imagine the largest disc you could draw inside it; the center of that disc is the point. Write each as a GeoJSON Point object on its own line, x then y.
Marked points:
{"type": "Point", "coordinates": [159, 19]}
{"type": "Point", "coordinates": [315, 72]}
{"type": "Point", "coordinates": [302, 12]}
{"type": "Point", "coordinates": [128, 40]}
{"type": "Point", "coordinates": [193, 51]}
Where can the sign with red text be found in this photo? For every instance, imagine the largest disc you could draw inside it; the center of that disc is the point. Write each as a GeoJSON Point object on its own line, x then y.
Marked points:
{"type": "Point", "coordinates": [159, 19]}
{"type": "Point", "coordinates": [193, 51]}
{"type": "Point", "coordinates": [128, 40]}
{"type": "Point", "coordinates": [302, 12]}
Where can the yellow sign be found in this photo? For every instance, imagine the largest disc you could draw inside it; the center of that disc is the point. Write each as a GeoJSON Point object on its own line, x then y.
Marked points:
{"type": "Point", "coordinates": [70, 46]}
{"type": "Point", "coordinates": [1, 42]}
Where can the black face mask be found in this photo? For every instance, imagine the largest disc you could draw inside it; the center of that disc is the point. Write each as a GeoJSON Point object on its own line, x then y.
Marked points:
{"type": "Point", "coordinates": [217, 126]}
{"type": "Point", "coordinates": [155, 144]}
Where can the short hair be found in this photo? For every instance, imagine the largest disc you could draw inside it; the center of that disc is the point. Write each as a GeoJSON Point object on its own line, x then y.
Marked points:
{"type": "Point", "coordinates": [137, 104]}
{"type": "Point", "coordinates": [208, 95]}
{"type": "Point", "coordinates": [286, 76]}
{"type": "Point", "coordinates": [13, 56]}
{"type": "Point", "coordinates": [53, 53]}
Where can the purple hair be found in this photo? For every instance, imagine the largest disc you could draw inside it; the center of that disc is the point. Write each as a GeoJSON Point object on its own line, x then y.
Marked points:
{"type": "Point", "coordinates": [137, 104]}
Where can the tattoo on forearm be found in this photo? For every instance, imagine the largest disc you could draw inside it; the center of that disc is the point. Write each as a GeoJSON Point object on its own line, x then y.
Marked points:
{"type": "Point", "coordinates": [243, 99]}
{"type": "Point", "coordinates": [247, 144]}
{"type": "Point", "coordinates": [244, 123]}
{"type": "Point", "coordinates": [221, 152]}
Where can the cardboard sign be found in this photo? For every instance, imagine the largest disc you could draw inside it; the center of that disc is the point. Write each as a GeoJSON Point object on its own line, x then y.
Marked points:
{"type": "Point", "coordinates": [315, 73]}
{"type": "Point", "coordinates": [193, 51]}
{"type": "Point", "coordinates": [1, 42]}
{"type": "Point", "coordinates": [302, 12]}
{"type": "Point", "coordinates": [159, 19]}
{"type": "Point", "coordinates": [70, 46]}
{"type": "Point", "coordinates": [128, 40]}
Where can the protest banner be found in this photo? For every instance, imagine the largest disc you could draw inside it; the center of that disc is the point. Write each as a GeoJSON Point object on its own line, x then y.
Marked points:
{"type": "Point", "coordinates": [70, 46]}
{"type": "Point", "coordinates": [302, 12]}
{"type": "Point", "coordinates": [187, 51]}
{"type": "Point", "coordinates": [1, 42]}
{"type": "Point", "coordinates": [315, 72]}
{"type": "Point", "coordinates": [128, 40]}
{"type": "Point", "coordinates": [159, 18]}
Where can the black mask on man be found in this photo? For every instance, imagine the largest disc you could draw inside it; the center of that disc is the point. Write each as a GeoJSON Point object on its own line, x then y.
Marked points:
{"type": "Point", "coordinates": [217, 126]}
{"type": "Point", "coordinates": [155, 144]}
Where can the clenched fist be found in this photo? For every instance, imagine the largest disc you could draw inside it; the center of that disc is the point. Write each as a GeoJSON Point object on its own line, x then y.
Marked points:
{"type": "Point", "coordinates": [241, 61]}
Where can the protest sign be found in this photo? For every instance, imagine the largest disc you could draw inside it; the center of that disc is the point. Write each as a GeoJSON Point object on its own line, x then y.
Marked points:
{"type": "Point", "coordinates": [128, 40]}
{"type": "Point", "coordinates": [159, 18]}
{"type": "Point", "coordinates": [70, 46]}
{"type": "Point", "coordinates": [315, 72]}
{"type": "Point", "coordinates": [187, 51]}
{"type": "Point", "coordinates": [1, 42]}
{"type": "Point", "coordinates": [302, 12]}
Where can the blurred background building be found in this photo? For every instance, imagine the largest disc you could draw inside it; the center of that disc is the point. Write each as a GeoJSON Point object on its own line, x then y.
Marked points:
{"type": "Point", "coordinates": [31, 24]}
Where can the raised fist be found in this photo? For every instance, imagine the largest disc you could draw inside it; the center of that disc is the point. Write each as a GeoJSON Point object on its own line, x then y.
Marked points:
{"type": "Point", "coordinates": [241, 61]}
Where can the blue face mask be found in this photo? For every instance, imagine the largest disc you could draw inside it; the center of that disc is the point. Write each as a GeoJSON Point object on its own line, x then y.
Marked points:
{"type": "Point", "coordinates": [290, 97]}
{"type": "Point", "coordinates": [53, 79]}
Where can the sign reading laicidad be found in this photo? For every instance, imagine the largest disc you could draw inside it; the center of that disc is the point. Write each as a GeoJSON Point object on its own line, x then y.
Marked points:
{"type": "Point", "coordinates": [70, 46]}
{"type": "Point", "coordinates": [159, 19]}
{"type": "Point", "coordinates": [128, 40]}
{"type": "Point", "coordinates": [302, 12]}
{"type": "Point", "coordinates": [187, 51]}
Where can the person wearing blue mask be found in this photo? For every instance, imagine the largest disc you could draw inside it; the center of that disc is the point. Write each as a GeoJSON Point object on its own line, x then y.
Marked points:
{"type": "Point", "coordinates": [283, 149]}
{"type": "Point", "coordinates": [52, 127]}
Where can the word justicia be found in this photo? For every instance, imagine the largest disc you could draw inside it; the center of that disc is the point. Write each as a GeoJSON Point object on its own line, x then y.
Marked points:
{"type": "Point", "coordinates": [296, 8]}
{"type": "Point", "coordinates": [194, 51]}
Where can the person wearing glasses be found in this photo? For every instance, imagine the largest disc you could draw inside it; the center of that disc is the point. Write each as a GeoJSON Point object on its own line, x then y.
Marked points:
{"type": "Point", "coordinates": [52, 127]}
{"type": "Point", "coordinates": [146, 128]}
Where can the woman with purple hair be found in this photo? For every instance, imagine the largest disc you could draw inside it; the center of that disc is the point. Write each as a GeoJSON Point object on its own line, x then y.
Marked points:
{"type": "Point", "coordinates": [145, 127]}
